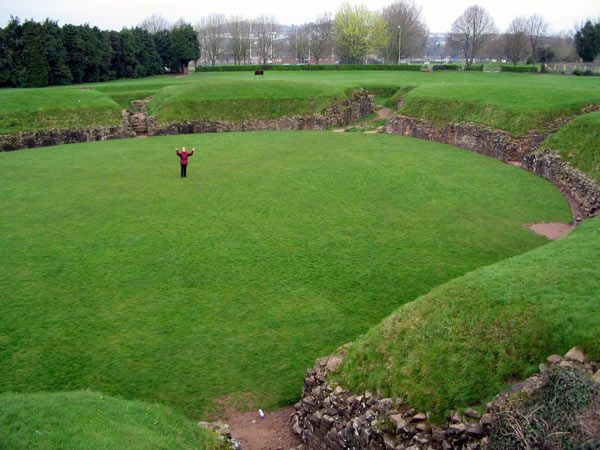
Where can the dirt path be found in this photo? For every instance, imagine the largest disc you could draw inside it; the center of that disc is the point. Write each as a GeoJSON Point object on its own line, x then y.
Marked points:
{"type": "Point", "coordinates": [273, 432]}
{"type": "Point", "coordinates": [553, 230]}
{"type": "Point", "coordinates": [383, 113]}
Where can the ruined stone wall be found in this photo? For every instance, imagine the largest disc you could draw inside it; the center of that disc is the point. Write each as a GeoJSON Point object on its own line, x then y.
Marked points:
{"type": "Point", "coordinates": [346, 111]}
{"type": "Point", "coordinates": [574, 183]}
{"type": "Point", "coordinates": [497, 144]}
{"type": "Point", "coordinates": [340, 113]}
{"type": "Point", "coordinates": [330, 417]}
{"type": "Point", "coordinates": [45, 138]}
{"type": "Point", "coordinates": [581, 188]}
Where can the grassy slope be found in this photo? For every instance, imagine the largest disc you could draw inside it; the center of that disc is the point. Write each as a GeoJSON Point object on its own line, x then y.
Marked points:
{"type": "Point", "coordinates": [88, 420]}
{"type": "Point", "coordinates": [229, 100]}
{"type": "Point", "coordinates": [515, 102]}
{"type": "Point", "coordinates": [578, 142]}
{"type": "Point", "coordinates": [31, 109]}
{"type": "Point", "coordinates": [458, 345]}
{"type": "Point", "coordinates": [121, 277]}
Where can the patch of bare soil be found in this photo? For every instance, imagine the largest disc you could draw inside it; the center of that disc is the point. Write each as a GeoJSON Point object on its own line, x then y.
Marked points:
{"type": "Point", "coordinates": [273, 432]}
{"type": "Point", "coordinates": [552, 230]}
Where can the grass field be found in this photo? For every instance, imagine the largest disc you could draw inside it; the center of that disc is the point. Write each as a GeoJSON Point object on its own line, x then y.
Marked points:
{"type": "Point", "coordinates": [513, 102]}
{"type": "Point", "coordinates": [467, 340]}
{"type": "Point", "coordinates": [121, 277]}
{"type": "Point", "coordinates": [89, 420]}
{"type": "Point", "coordinates": [578, 142]}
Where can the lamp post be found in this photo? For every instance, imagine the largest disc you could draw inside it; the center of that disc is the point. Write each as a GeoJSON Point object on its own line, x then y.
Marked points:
{"type": "Point", "coordinates": [399, 41]}
{"type": "Point", "coordinates": [272, 34]}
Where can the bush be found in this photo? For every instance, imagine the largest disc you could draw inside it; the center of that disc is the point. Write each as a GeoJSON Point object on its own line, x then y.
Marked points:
{"type": "Point", "coordinates": [520, 69]}
{"type": "Point", "coordinates": [281, 67]}
{"type": "Point", "coordinates": [474, 68]}
{"type": "Point", "coordinates": [585, 73]}
{"type": "Point", "coordinates": [438, 67]}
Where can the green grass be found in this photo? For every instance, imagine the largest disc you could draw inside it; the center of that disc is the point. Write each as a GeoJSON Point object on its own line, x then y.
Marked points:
{"type": "Point", "coordinates": [228, 100]}
{"type": "Point", "coordinates": [463, 342]}
{"type": "Point", "coordinates": [89, 420]}
{"type": "Point", "coordinates": [510, 101]}
{"type": "Point", "coordinates": [121, 277]}
{"type": "Point", "coordinates": [32, 109]}
{"type": "Point", "coordinates": [578, 143]}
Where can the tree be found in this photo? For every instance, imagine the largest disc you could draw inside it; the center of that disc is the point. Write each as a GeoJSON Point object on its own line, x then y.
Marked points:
{"type": "Point", "coordinates": [154, 24]}
{"type": "Point", "coordinates": [264, 29]}
{"type": "Point", "coordinates": [56, 55]}
{"type": "Point", "coordinates": [537, 29]}
{"type": "Point", "coordinates": [211, 32]}
{"type": "Point", "coordinates": [298, 43]}
{"type": "Point", "coordinates": [471, 30]}
{"type": "Point", "coordinates": [321, 36]}
{"type": "Point", "coordinates": [516, 41]}
{"type": "Point", "coordinates": [236, 26]}
{"type": "Point", "coordinates": [358, 32]}
{"type": "Point", "coordinates": [587, 41]}
{"type": "Point", "coordinates": [406, 28]}
{"type": "Point", "coordinates": [184, 47]}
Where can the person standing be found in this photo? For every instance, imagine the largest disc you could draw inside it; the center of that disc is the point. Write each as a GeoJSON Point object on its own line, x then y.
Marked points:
{"type": "Point", "coordinates": [183, 156]}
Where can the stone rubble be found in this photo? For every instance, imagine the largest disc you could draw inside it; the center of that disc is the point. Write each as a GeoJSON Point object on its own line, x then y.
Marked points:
{"type": "Point", "coordinates": [330, 417]}
{"type": "Point", "coordinates": [223, 432]}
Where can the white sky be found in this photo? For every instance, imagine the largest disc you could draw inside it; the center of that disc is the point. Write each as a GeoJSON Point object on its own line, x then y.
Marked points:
{"type": "Point", "coordinates": [438, 14]}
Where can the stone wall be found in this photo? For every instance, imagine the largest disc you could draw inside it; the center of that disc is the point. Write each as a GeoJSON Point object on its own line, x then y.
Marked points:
{"type": "Point", "coordinates": [346, 111]}
{"type": "Point", "coordinates": [45, 138]}
{"type": "Point", "coordinates": [497, 144]}
{"type": "Point", "coordinates": [330, 417]}
{"type": "Point", "coordinates": [572, 182]}
{"type": "Point", "coordinates": [577, 186]}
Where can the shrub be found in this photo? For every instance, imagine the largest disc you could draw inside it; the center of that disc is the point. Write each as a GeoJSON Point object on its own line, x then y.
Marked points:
{"type": "Point", "coordinates": [520, 69]}
{"type": "Point", "coordinates": [281, 67]}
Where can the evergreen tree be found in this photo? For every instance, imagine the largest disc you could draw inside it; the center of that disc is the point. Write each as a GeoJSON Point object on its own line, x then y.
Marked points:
{"type": "Point", "coordinates": [12, 68]}
{"type": "Point", "coordinates": [34, 55]}
{"type": "Point", "coordinates": [184, 47]}
{"type": "Point", "coordinates": [587, 41]}
{"type": "Point", "coordinates": [56, 55]}
{"type": "Point", "coordinates": [75, 47]}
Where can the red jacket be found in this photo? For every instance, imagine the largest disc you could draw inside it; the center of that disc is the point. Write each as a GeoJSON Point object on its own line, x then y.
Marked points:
{"type": "Point", "coordinates": [184, 156]}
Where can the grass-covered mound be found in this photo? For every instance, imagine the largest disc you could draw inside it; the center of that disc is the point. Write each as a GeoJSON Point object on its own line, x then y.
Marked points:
{"type": "Point", "coordinates": [463, 342]}
{"type": "Point", "coordinates": [55, 107]}
{"type": "Point", "coordinates": [89, 420]}
{"type": "Point", "coordinates": [514, 102]}
{"type": "Point", "coordinates": [578, 143]}
{"type": "Point", "coordinates": [119, 276]}
{"type": "Point", "coordinates": [230, 100]}
{"type": "Point", "coordinates": [513, 107]}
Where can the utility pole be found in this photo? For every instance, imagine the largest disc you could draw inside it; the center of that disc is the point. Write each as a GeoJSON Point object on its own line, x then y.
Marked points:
{"type": "Point", "coordinates": [399, 41]}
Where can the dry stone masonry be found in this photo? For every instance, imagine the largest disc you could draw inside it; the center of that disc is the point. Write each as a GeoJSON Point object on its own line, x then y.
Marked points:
{"type": "Point", "coordinates": [330, 417]}
{"type": "Point", "coordinates": [577, 186]}
{"type": "Point", "coordinates": [136, 123]}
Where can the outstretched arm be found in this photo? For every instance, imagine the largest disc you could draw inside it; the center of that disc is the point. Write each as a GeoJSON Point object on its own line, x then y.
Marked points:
{"type": "Point", "coordinates": [192, 152]}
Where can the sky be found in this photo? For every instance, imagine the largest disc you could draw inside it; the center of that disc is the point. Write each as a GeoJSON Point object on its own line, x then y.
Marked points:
{"type": "Point", "coordinates": [437, 14]}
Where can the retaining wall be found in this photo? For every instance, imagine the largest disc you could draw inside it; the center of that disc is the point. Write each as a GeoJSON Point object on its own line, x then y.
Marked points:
{"type": "Point", "coordinates": [330, 417]}
{"type": "Point", "coordinates": [579, 187]}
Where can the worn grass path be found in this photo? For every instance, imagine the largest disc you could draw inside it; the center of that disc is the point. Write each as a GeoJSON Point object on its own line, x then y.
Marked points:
{"type": "Point", "coordinates": [121, 277]}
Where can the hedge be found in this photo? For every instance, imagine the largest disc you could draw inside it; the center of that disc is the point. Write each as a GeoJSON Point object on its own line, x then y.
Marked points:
{"type": "Point", "coordinates": [252, 68]}
{"type": "Point", "coordinates": [522, 69]}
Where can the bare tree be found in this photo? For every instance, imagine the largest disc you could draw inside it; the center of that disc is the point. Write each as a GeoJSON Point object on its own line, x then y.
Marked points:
{"type": "Point", "coordinates": [407, 30]}
{"type": "Point", "coordinates": [298, 43]}
{"type": "Point", "coordinates": [470, 31]}
{"type": "Point", "coordinates": [537, 29]}
{"type": "Point", "coordinates": [154, 23]}
{"type": "Point", "coordinates": [516, 42]}
{"type": "Point", "coordinates": [235, 27]}
{"type": "Point", "coordinates": [321, 36]}
{"type": "Point", "coordinates": [264, 29]}
{"type": "Point", "coordinates": [211, 34]}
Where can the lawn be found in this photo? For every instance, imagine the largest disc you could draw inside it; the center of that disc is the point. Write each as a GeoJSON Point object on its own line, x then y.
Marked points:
{"type": "Point", "coordinates": [89, 420]}
{"type": "Point", "coordinates": [121, 277]}
{"type": "Point", "coordinates": [466, 341]}
{"type": "Point", "coordinates": [510, 101]}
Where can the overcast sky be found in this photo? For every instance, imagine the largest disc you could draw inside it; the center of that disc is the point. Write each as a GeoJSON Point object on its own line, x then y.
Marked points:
{"type": "Point", "coordinates": [438, 14]}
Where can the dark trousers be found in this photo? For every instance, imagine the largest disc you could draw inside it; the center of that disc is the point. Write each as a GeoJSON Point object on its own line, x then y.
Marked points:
{"type": "Point", "coordinates": [183, 170]}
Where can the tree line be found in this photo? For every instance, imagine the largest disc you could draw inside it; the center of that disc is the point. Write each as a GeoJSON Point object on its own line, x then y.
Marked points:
{"type": "Point", "coordinates": [36, 54]}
